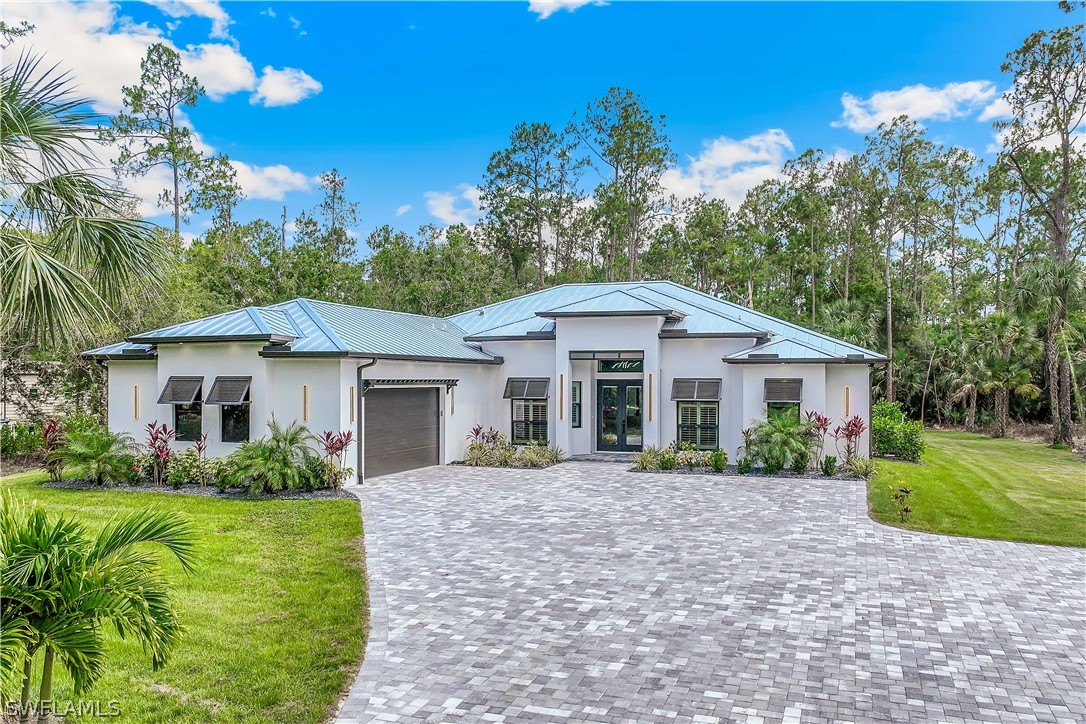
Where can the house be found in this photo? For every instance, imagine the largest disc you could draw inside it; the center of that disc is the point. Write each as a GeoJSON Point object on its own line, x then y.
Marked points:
{"type": "Point", "coordinates": [585, 367]}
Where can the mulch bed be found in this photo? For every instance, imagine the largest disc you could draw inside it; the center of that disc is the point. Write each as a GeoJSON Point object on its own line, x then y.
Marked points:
{"type": "Point", "coordinates": [208, 492]}
{"type": "Point", "coordinates": [732, 471]}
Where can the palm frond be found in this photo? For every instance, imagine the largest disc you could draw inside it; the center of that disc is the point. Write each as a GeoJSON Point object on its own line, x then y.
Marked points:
{"type": "Point", "coordinates": [147, 526]}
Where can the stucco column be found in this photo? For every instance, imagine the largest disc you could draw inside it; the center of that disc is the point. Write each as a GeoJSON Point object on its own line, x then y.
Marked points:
{"type": "Point", "coordinates": [559, 403]}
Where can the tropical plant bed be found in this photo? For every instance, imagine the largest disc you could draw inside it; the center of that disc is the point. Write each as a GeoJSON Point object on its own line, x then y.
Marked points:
{"type": "Point", "coordinates": [274, 614]}
{"type": "Point", "coordinates": [733, 471]}
{"type": "Point", "coordinates": [209, 492]}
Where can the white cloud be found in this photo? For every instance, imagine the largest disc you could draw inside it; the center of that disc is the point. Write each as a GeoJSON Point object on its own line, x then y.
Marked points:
{"type": "Point", "coordinates": [919, 102]}
{"type": "Point", "coordinates": [403, 209]}
{"type": "Point", "coordinates": [270, 12]}
{"type": "Point", "coordinates": [271, 183]}
{"type": "Point", "coordinates": [220, 20]}
{"type": "Point", "coordinates": [459, 207]}
{"type": "Point", "coordinates": [727, 168]}
{"type": "Point", "coordinates": [220, 68]}
{"type": "Point", "coordinates": [297, 25]}
{"type": "Point", "coordinates": [545, 8]}
{"type": "Point", "coordinates": [996, 110]}
{"type": "Point", "coordinates": [284, 87]}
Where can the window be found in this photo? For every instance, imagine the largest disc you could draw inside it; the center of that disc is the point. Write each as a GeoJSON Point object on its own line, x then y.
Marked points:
{"type": "Point", "coordinates": [782, 398]}
{"type": "Point", "coordinates": [699, 424]}
{"type": "Point", "coordinates": [235, 423]}
{"type": "Point", "coordinates": [188, 421]}
{"type": "Point", "coordinates": [529, 421]}
{"type": "Point", "coordinates": [575, 411]}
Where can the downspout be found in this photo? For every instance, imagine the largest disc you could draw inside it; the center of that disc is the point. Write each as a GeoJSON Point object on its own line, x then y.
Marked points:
{"type": "Point", "coordinates": [358, 417]}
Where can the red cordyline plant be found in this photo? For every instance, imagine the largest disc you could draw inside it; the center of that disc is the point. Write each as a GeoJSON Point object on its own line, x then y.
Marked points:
{"type": "Point", "coordinates": [159, 438]}
{"type": "Point", "coordinates": [849, 433]}
{"type": "Point", "coordinates": [52, 433]}
{"type": "Point", "coordinates": [334, 445]}
{"type": "Point", "coordinates": [818, 424]}
{"type": "Point", "coordinates": [200, 445]}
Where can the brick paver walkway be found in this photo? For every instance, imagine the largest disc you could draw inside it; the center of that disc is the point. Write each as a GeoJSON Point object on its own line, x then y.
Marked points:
{"type": "Point", "coordinates": [584, 592]}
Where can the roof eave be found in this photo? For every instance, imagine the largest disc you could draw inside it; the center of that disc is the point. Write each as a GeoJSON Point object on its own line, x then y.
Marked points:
{"type": "Point", "coordinates": [669, 313]}
{"type": "Point", "coordinates": [530, 337]}
{"type": "Point", "coordinates": [806, 361]}
{"type": "Point", "coordinates": [270, 338]}
{"type": "Point", "coordinates": [342, 354]}
{"type": "Point", "coordinates": [715, 335]}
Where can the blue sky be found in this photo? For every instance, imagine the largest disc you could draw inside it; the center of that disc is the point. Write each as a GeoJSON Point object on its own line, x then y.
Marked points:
{"type": "Point", "coordinates": [409, 99]}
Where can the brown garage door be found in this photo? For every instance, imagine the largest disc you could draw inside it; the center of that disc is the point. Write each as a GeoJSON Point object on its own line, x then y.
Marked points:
{"type": "Point", "coordinates": [402, 429]}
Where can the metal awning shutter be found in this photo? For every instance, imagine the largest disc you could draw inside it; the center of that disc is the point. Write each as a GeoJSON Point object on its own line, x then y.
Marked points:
{"type": "Point", "coordinates": [527, 388]}
{"type": "Point", "coordinates": [695, 389]}
{"type": "Point", "coordinates": [229, 391]}
{"type": "Point", "coordinates": [784, 390]}
{"type": "Point", "coordinates": [181, 391]}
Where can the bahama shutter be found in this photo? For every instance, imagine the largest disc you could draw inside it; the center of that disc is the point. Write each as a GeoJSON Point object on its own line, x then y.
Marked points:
{"type": "Point", "coordinates": [783, 390]}
{"type": "Point", "coordinates": [229, 391]}
{"type": "Point", "coordinates": [695, 389]}
{"type": "Point", "coordinates": [527, 388]}
{"type": "Point", "coordinates": [181, 391]}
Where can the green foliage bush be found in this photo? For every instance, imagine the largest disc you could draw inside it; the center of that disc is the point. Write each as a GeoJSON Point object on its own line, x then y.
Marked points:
{"type": "Point", "coordinates": [490, 448]}
{"type": "Point", "coordinates": [777, 442]}
{"type": "Point", "coordinates": [273, 463]}
{"type": "Point", "coordinates": [189, 467]}
{"type": "Point", "coordinates": [20, 439]}
{"type": "Point", "coordinates": [829, 466]}
{"type": "Point", "coordinates": [668, 460]}
{"type": "Point", "coordinates": [106, 458]}
{"type": "Point", "coordinates": [744, 465]}
{"type": "Point", "coordinates": [801, 460]}
{"type": "Point", "coordinates": [893, 434]}
{"type": "Point", "coordinates": [648, 458]}
{"type": "Point", "coordinates": [860, 467]}
{"type": "Point", "coordinates": [718, 461]}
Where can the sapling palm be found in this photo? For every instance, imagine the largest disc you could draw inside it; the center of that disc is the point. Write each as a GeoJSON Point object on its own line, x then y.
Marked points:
{"type": "Point", "coordinates": [61, 585]}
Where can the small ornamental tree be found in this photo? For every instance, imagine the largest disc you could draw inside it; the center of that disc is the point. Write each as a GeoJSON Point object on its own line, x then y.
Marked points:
{"type": "Point", "coordinates": [819, 425]}
{"type": "Point", "coordinates": [52, 433]}
{"type": "Point", "coordinates": [334, 445]}
{"type": "Point", "coordinates": [849, 433]}
{"type": "Point", "coordinates": [159, 438]}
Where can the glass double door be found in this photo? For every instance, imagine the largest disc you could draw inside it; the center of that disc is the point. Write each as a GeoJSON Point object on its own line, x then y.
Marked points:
{"type": "Point", "coordinates": [618, 415]}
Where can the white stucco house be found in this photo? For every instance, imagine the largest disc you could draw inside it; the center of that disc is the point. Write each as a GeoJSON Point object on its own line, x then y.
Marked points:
{"type": "Point", "coordinates": [586, 367]}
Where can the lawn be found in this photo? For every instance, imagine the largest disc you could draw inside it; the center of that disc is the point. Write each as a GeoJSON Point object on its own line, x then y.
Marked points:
{"type": "Point", "coordinates": [274, 614]}
{"type": "Point", "coordinates": [987, 488]}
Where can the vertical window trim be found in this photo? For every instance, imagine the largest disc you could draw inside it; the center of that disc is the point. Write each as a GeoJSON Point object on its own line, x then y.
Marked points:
{"type": "Point", "coordinates": [699, 429]}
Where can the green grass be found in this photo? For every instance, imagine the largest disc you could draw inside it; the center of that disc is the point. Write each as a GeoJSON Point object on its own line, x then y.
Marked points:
{"type": "Point", "coordinates": [274, 614]}
{"type": "Point", "coordinates": [986, 488]}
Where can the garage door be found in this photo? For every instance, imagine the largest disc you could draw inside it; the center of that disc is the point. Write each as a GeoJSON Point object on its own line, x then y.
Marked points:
{"type": "Point", "coordinates": [402, 429]}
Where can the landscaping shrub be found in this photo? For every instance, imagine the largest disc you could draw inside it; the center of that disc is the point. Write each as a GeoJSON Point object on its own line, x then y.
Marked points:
{"type": "Point", "coordinates": [334, 445]}
{"type": "Point", "coordinates": [273, 463]}
{"type": "Point", "coordinates": [829, 466]}
{"type": "Point", "coordinates": [668, 460]}
{"type": "Point", "coordinates": [102, 456]}
{"type": "Point", "coordinates": [20, 439]}
{"type": "Point", "coordinates": [52, 440]}
{"type": "Point", "coordinates": [189, 468]}
{"type": "Point", "coordinates": [775, 443]}
{"type": "Point", "coordinates": [894, 434]}
{"type": "Point", "coordinates": [744, 465]}
{"type": "Point", "coordinates": [901, 494]}
{"type": "Point", "coordinates": [860, 467]}
{"type": "Point", "coordinates": [692, 459]}
{"type": "Point", "coordinates": [801, 460]}
{"type": "Point", "coordinates": [491, 448]}
{"type": "Point", "coordinates": [648, 458]}
{"type": "Point", "coordinates": [849, 433]}
{"type": "Point", "coordinates": [718, 461]}
{"type": "Point", "coordinates": [532, 456]}
{"type": "Point", "coordinates": [159, 438]}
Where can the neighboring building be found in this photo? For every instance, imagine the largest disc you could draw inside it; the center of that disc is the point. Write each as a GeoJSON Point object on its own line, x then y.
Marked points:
{"type": "Point", "coordinates": [585, 367]}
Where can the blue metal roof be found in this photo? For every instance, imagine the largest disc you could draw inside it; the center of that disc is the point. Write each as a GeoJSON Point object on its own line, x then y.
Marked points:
{"type": "Point", "coordinates": [310, 327]}
{"type": "Point", "coordinates": [705, 315]}
{"type": "Point", "coordinates": [612, 302]}
{"type": "Point", "coordinates": [121, 350]}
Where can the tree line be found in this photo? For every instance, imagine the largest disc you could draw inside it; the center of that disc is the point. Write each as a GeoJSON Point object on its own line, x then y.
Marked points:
{"type": "Point", "coordinates": [967, 272]}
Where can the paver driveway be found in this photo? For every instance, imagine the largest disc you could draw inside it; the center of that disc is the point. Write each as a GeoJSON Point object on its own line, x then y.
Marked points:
{"type": "Point", "coordinates": [584, 592]}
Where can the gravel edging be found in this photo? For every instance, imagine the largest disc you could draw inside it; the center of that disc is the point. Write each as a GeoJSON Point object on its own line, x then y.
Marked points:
{"type": "Point", "coordinates": [733, 472]}
{"type": "Point", "coordinates": [206, 492]}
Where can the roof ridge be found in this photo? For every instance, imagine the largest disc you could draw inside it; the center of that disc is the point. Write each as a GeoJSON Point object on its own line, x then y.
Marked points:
{"type": "Point", "coordinates": [321, 324]}
{"type": "Point", "coordinates": [187, 322]}
{"type": "Point", "coordinates": [373, 309]}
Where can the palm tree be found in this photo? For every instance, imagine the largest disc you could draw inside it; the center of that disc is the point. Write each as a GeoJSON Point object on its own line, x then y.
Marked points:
{"type": "Point", "coordinates": [1007, 347]}
{"type": "Point", "coordinates": [103, 456]}
{"type": "Point", "coordinates": [276, 462]}
{"type": "Point", "coordinates": [965, 376]}
{"type": "Point", "coordinates": [1056, 289]}
{"type": "Point", "coordinates": [850, 320]}
{"type": "Point", "coordinates": [66, 251]}
{"type": "Point", "coordinates": [60, 585]}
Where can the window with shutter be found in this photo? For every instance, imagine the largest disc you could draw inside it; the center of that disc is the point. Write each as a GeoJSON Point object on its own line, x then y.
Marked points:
{"type": "Point", "coordinates": [783, 390]}
{"type": "Point", "coordinates": [529, 422]}
{"type": "Point", "coordinates": [699, 424]}
{"type": "Point", "coordinates": [181, 391]}
{"type": "Point", "coordinates": [229, 391]}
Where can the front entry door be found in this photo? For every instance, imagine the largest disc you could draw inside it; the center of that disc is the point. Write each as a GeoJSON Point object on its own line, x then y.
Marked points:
{"type": "Point", "coordinates": [618, 415]}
